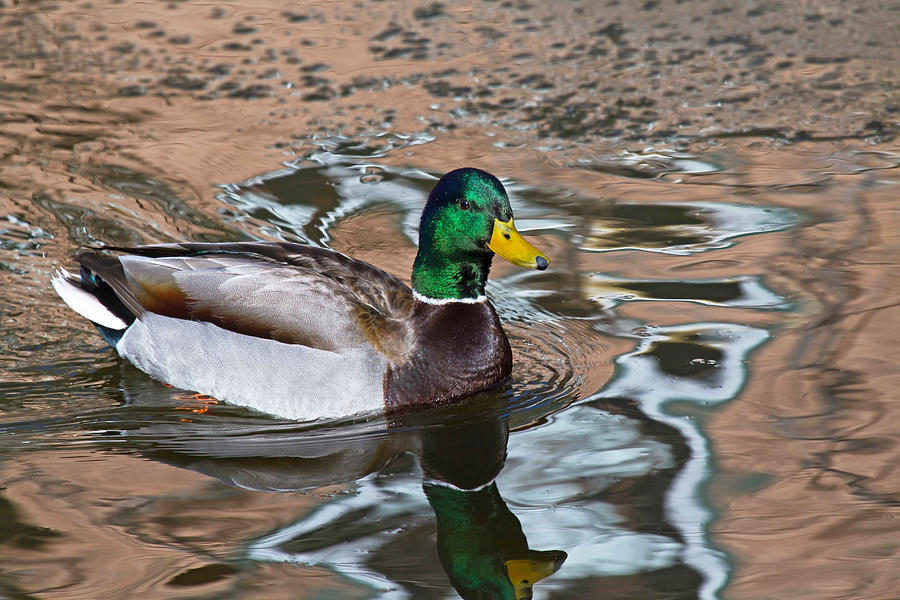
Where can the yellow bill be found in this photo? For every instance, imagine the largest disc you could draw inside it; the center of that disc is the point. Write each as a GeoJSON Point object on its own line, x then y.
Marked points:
{"type": "Point", "coordinates": [508, 243]}
{"type": "Point", "coordinates": [524, 573]}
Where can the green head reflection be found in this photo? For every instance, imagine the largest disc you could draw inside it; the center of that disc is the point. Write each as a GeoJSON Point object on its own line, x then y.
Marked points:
{"type": "Point", "coordinates": [482, 547]}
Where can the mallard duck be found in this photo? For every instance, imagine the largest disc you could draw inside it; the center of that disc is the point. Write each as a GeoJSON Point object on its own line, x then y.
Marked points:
{"type": "Point", "coordinates": [304, 332]}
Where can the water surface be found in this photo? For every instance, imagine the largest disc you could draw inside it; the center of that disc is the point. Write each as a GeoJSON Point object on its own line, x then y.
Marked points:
{"type": "Point", "coordinates": [700, 401]}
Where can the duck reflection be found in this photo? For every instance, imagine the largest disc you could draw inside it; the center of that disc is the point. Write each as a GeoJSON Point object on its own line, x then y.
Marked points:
{"type": "Point", "coordinates": [480, 543]}
{"type": "Point", "coordinates": [479, 540]}
{"type": "Point", "coordinates": [482, 547]}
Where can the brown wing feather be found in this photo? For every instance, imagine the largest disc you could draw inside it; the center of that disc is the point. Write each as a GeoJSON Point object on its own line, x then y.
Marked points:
{"type": "Point", "coordinates": [384, 292]}
{"type": "Point", "coordinates": [287, 292]}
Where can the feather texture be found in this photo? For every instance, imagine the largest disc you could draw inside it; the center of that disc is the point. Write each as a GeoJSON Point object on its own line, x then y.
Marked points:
{"type": "Point", "coordinates": [307, 332]}
{"type": "Point", "coordinates": [284, 292]}
{"type": "Point", "coordinates": [289, 380]}
{"type": "Point", "coordinates": [292, 330]}
{"type": "Point", "coordinates": [68, 286]}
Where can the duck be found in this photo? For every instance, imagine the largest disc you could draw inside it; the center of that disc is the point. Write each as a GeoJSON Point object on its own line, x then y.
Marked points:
{"type": "Point", "coordinates": [304, 332]}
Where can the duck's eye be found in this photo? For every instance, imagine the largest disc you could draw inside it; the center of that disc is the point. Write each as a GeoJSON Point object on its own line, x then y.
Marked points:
{"type": "Point", "coordinates": [463, 204]}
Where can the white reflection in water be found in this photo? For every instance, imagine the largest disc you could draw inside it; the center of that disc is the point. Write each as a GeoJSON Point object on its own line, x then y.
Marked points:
{"type": "Point", "coordinates": [640, 376]}
{"type": "Point", "coordinates": [379, 503]}
{"type": "Point", "coordinates": [718, 226]}
{"type": "Point", "coordinates": [600, 447]}
{"type": "Point", "coordinates": [566, 465]}
{"type": "Point", "coordinates": [746, 291]}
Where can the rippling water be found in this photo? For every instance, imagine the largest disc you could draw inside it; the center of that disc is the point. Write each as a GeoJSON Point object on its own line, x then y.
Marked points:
{"type": "Point", "coordinates": [700, 399]}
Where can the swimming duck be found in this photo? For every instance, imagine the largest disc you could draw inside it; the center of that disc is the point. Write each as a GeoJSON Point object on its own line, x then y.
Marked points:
{"type": "Point", "coordinates": [303, 332]}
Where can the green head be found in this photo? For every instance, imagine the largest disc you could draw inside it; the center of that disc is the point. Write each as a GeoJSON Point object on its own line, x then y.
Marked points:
{"type": "Point", "coordinates": [466, 221]}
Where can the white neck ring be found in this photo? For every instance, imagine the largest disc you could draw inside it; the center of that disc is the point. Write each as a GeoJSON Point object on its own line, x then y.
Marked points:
{"type": "Point", "coordinates": [441, 301]}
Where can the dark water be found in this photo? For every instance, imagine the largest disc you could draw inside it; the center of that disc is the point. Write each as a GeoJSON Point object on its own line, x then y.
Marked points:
{"type": "Point", "coordinates": [700, 404]}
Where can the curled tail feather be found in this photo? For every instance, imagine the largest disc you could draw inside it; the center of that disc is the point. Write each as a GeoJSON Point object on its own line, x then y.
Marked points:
{"type": "Point", "coordinates": [93, 299]}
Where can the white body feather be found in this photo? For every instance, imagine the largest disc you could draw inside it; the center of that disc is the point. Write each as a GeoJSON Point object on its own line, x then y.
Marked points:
{"type": "Point", "coordinates": [287, 380]}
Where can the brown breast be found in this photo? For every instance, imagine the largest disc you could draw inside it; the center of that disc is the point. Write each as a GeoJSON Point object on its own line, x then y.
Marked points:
{"type": "Point", "coordinates": [460, 349]}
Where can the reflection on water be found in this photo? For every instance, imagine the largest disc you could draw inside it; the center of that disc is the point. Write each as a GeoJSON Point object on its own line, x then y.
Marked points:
{"type": "Point", "coordinates": [601, 485]}
{"type": "Point", "coordinates": [736, 291]}
{"type": "Point", "coordinates": [678, 228]}
{"type": "Point", "coordinates": [497, 519]}
{"type": "Point", "coordinates": [480, 543]}
{"type": "Point", "coordinates": [702, 384]}
{"type": "Point", "coordinates": [674, 372]}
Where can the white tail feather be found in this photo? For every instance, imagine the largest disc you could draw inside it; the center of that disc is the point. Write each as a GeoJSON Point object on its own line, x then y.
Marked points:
{"type": "Point", "coordinates": [84, 303]}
